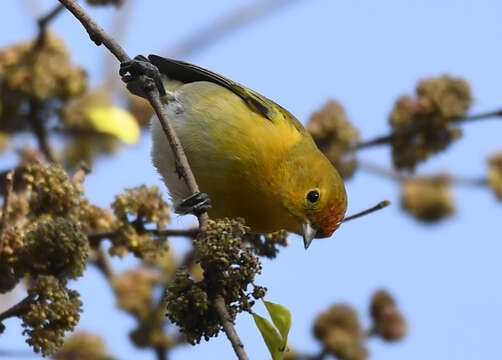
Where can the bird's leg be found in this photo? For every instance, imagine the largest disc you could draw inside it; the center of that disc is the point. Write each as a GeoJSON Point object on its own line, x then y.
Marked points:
{"type": "Point", "coordinates": [195, 204]}
{"type": "Point", "coordinates": [132, 69]}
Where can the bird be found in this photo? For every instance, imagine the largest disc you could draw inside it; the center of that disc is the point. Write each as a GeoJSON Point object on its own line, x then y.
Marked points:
{"type": "Point", "coordinates": [251, 158]}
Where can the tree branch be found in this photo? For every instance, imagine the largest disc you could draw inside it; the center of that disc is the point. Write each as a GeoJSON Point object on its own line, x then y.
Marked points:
{"type": "Point", "coordinates": [16, 310]}
{"type": "Point", "coordinates": [98, 35]}
{"type": "Point", "coordinates": [228, 326]}
{"type": "Point", "coordinates": [379, 206]}
{"type": "Point", "coordinates": [44, 21]}
{"type": "Point", "coordinates": [103, 264]}
{"type": "Point", "coordinates": [386, 139]}
{"type": "Point", "coordinates": [226, 25]}
{"type": "Point", "coordinates": [38, 127]}
{"type": "Point", "coordinates": [5, 207]}
{"type": "Point", "coordinates": [96, 238]}
{"type": "Point", "coordinates": [399, 177]}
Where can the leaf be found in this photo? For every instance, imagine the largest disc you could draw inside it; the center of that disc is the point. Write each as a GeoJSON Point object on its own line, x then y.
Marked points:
{"type": "Point", "coordinates": [281, 317]}
{"type": "Point", "coordinates": [270, 336]}
{"type": "Point", "coordinates": [115, 121]}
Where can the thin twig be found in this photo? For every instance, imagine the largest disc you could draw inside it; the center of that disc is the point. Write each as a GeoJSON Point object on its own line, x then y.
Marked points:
{"type": "Point", "coordinates": [99, 36]}
{"type": "Point", "coordinates": [386, 139]}
{"type": "Point", "coordinates": [322, 354]}
{"type": "Point", "coordinates": [226, 25]}
{"type": "Point", "coordinates": [161, 353]}
{"type": "Point", "coordinates": [9, 354]}
{"type": "Point", "coordinates": [17, 309]}
{"type": "Point", "coordinates": [396, 176]}
{"type": "Point", "coordinates": [44, 21]}
{"type": "Point", "coordinates": [378, 206]}
{"type": "Point", "coordinates": [38, 127]}
{"type": "Point", "coordinates": [228, 326]}
{"type": "Point", "coordinates": [96, 238]}
{"type": "Point", "coordinates": [96, 33]}
{"type": "Point", "coordinates": [103, 263]}
{"type": "Point", "coordinates": [5, 207]}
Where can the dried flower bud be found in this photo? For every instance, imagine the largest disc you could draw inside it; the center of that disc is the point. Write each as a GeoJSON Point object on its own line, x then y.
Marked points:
{"type": "Point", "coordinates": [189, 307]}
{"type": "Point", "coordinates": [55, 247]}
{"type": "Point", "coordinates": [150, 332]}
{"type": "Point", "coordinates": [52, 193]}
{"type": "Point", "coordinates": [10, 253]}
{"type": "Point", "coordinates": [229, 268]}
{"type": "Point", "coordinates": [266, 244]}
{"type": "Point", "coordinates": [54, 309]}
{"type": "Point", "coordinates": [143, 205]}
{"type": "Point", "coordinates": [428, 199]}
{"type": "Point", "coordinates": [339, 330]}
{"type": "Point", "coordinates": [335, 136]}
{"type": "Point", "coordinates": [93, 219]}
{"type": "Point", "coordinates": [422, 125]}
{"type": "Point", "coordinates": [228, 261]}
{"type": "Point", "coordinates": [142, 202]}
{"type": "Point", "coordinates": [495, 174]}
{"type": "Point", "coordinates": [447, 95]}
{"type": "Point", "coordinates": [134, 291]}
{"type": "Point", "coordinates": [83, 346]}
{"type": "Point", "coordinates": [35, 71]}
{"type": "Point", "coordinates": [388, 322]}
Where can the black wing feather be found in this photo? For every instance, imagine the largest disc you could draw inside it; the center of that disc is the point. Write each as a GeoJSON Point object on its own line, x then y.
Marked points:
{"type": "Point", "coordinates": [187, 73]}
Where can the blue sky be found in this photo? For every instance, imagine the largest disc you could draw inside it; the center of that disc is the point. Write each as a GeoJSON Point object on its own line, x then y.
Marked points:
{"type": "Point", "coordinates": [445, 276]}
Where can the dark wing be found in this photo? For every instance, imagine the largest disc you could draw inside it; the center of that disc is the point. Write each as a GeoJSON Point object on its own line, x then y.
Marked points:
{"type": "Point", "coordinates": [187, 73]}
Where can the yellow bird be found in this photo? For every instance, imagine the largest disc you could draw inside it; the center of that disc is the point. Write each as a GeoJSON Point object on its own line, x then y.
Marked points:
{"type": "Point", "coordinates": [249, 155]}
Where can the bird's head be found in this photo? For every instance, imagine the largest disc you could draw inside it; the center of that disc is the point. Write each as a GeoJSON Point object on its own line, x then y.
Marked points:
{"type": "Point", "coordinates": [317, 197]}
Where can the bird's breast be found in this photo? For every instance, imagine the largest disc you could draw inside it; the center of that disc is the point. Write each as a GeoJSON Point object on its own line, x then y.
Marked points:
{"type": "Point", "coordinates": [234, 154]}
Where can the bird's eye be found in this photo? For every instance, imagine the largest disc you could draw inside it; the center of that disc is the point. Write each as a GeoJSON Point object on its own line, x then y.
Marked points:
{"type": "Point", "coordinates": [313, 196]}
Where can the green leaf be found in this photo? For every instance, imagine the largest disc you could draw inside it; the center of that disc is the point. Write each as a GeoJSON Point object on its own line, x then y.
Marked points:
{"type": "Point", "coordinates": [271, 336]}
{"type": "Point", "coordinates": [281, 318]}
{"type": "Point", "coordinates": [115, 121]}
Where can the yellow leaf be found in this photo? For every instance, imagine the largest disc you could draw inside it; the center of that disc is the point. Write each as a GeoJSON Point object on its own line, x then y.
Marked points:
{"type": "Point", "coordinates": [115, 121]}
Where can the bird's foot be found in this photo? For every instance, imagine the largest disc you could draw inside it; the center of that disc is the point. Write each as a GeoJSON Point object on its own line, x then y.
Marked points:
{"type": "Point", "coordinates": [195, 204]}
{"type": "Point", "coordinates": [131, 70]}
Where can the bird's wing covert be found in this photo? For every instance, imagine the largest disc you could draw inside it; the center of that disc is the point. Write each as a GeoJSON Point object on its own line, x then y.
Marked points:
{"type": "Point", "coordinates": [187, 73]}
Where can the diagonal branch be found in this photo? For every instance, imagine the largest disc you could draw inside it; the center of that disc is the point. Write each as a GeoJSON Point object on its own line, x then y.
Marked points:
{"type": "Point", "coordinates": [99, 36]}
{"type": "Point", "coordinates": [227, 24]}
{"type": "Point", "coordinates": [5, 207]}
{"type": "Point", "coordinates": [38, 127]}
{"type": "Point", "coordinates": [386, 139]}
{"type": "Point", "coordinates": [400, 177]}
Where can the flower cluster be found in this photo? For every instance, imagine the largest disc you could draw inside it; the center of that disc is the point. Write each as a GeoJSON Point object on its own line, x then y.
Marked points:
{"type": "Point", "coordinates": [134, 209]}
{"type": "Point", "coordinates": [388, 321]}
{"type": "Point", "coordinates": [53, 310]}
{"type": "Point", "coordinates": [495, 174]}
{"type": "Point", "coordinates": [335, 136]}
{"type": "Point", "coordinates": [339, 330]}
{"type": "Point", "coordinates": [428, 199]}
{"type": "Point", "coordinates": [34, 72]}
{"type": "Point", "coordinates": [229, 268]}
{"type": "Point", "coordinates": [83, 346]}
{"type": "Point", "coordinates": [422, 126]}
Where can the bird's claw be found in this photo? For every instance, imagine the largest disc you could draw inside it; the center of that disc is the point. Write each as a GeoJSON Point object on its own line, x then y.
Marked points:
{"type": "Point", "coordinates": [195, 204]}
{"type": "Point", "coordinates": [132, 69]}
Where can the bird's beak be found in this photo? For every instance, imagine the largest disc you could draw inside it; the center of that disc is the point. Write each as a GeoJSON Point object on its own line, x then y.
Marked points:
{"type": "Point", "coordinates": [309, 231]}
